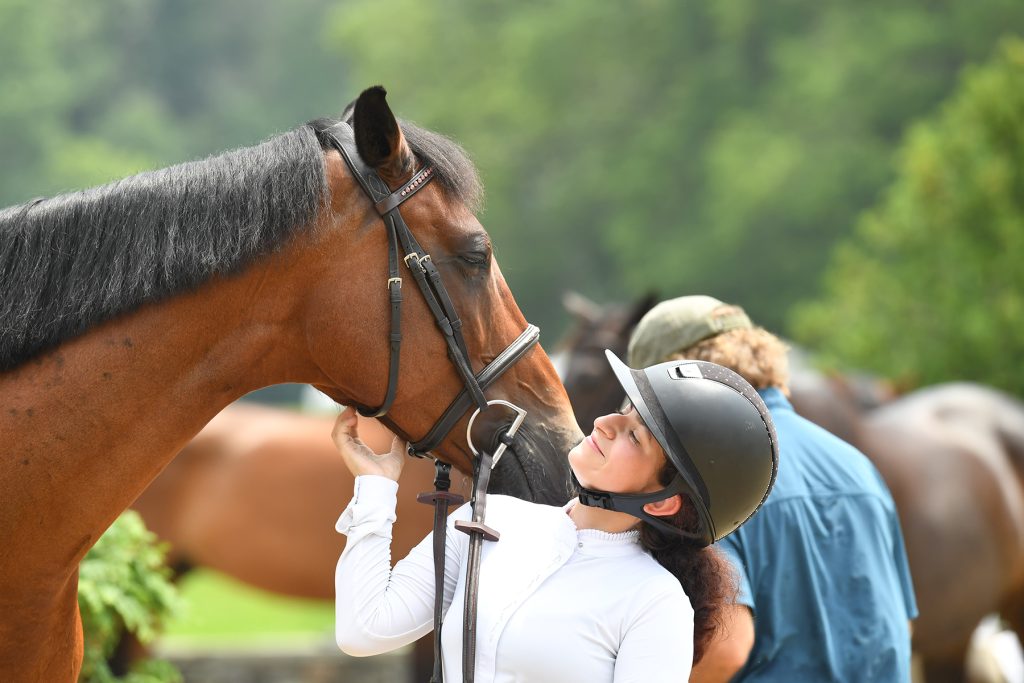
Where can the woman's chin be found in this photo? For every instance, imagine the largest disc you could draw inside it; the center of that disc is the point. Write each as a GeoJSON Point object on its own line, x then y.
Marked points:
{"type": "Point", "coordinates": [580, 473]}
{"type": "Point", "coordinates": [574, 464]}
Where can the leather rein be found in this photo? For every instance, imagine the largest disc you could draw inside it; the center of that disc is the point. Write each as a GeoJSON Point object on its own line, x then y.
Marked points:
{"type": "Point", "coordinates": [428, 279]}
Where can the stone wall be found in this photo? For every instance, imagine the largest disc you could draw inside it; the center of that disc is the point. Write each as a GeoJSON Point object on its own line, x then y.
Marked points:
{"type": "Point", "coordinates": [288, 664]}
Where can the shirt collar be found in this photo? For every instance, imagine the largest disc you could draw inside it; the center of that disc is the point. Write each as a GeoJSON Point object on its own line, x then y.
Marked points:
{"type": "Point", "coordinates": [595, 542]}
{"type": "Point", "coordinates": [775, 399]}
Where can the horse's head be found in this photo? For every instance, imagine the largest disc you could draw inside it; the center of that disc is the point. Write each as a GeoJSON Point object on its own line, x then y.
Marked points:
{"type": "Point", "coordinates": [588, 378]}
{"type": "Point", "coordinates": [349, 331]}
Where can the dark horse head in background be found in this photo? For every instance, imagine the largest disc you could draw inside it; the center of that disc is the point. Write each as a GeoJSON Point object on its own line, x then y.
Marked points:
{"type": "Point", "coordinates": [579, 356]}
{"type": "Point", "coordinates": [133, 313]}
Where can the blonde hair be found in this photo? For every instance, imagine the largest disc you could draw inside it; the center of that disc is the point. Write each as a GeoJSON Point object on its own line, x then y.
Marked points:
{"type": "Point", "coordinates": [754, 353]}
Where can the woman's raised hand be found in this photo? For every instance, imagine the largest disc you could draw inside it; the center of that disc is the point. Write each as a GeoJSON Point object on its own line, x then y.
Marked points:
{"type": "Point", "coordinates": [358, 457]}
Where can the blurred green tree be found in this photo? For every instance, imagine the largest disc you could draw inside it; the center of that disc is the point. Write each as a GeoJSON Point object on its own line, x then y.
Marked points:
{"type": "Point", "coordinates": [90, 92]}
{"type": "Point", "coordinates": [682, 146]}
{"type": "Point", "coordinates": [679, 145]}
{"type": "Point", "coordinates": [930, 286]}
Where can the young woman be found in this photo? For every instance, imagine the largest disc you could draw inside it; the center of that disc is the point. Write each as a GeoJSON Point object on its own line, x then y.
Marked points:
{"type": "Point", "coordinates": [617, 585]}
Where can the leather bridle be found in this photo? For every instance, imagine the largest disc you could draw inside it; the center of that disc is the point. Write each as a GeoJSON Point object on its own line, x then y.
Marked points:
{"type": "Point", "coordinates": [427, 277]}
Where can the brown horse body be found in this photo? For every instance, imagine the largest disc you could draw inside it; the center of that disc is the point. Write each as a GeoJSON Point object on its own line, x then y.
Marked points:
{"type": "Point", "coordinates": [953, 457]}
{"type": "Point", "coordinates": [256, 493]}
{"type": "Point", "coordinates": [833, 400]}
{"type": "Point", "coordinates": [89, 420]}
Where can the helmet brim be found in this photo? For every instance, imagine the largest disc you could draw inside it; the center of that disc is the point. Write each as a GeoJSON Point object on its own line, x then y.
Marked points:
{"type": "Point", "coordinates": [624, 375]}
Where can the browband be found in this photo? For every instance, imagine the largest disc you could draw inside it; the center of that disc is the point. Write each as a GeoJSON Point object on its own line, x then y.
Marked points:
{"type": "Point", "coordinates": [385, 200]}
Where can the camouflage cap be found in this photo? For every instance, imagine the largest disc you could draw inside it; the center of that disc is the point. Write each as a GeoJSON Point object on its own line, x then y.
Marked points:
{"type": "Point", "coordinates": [678, 324]}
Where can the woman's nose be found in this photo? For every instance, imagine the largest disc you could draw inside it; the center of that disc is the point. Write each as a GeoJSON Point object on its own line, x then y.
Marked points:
{"type": "Point", "coordinates": [607, 424]}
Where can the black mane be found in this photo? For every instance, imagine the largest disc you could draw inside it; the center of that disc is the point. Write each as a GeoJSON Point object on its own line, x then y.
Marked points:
{"type": "Point", "coordinates": [73, 261]}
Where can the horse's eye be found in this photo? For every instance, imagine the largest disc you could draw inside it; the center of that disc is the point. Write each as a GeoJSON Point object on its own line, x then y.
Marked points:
{"type": "Point", "coordinates": [476, 258]}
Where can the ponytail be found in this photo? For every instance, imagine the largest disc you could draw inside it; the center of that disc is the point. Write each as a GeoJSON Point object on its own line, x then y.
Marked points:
{"type": "Point", "coordinates": [704, 573]}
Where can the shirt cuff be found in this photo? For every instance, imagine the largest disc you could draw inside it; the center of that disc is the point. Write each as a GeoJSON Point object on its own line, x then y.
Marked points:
{"type": "Point", "coordinates": [372, 507]}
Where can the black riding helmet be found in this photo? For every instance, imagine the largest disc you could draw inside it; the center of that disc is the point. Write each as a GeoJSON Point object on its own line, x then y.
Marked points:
{"type": "Point", "coordinates": [715, 430]}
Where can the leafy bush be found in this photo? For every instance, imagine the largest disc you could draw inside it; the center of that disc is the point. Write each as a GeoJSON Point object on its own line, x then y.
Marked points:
{"type": "Point", "coordinates": [124, 586]}
{"type": "Point", "coordinates": [930, 288]}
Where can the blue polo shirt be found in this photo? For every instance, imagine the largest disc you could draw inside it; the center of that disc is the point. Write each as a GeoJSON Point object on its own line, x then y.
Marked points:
{"type": "Point", "coordinates": [822, 565]}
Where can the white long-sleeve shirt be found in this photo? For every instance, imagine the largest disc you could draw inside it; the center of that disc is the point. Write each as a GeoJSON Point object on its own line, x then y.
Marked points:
{"type": "Point", "coordinates": [556, 603]}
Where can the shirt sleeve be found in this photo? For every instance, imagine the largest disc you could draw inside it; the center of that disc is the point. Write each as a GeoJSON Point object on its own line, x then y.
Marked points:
{"type": "Point", "coordinates": [899, 556]}
{"type": "Point", "coordinates": [377, 608]}
{"type": "Point", "coordinates": [658, 644]}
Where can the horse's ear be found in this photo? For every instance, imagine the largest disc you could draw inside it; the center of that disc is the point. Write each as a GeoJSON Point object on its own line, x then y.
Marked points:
{"type": "Point", "coordinates": [640, 308]}
{"type": "Point", "coordinates": [378, 138]}
{"type": "Point", "coordinates": [581, 307]}
{"type": "Point", "coordinates": [346, 114]}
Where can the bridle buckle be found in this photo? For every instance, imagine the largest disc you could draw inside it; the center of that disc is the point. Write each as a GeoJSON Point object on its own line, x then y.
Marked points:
{"type": "Point", "coordinates": [510, 433]}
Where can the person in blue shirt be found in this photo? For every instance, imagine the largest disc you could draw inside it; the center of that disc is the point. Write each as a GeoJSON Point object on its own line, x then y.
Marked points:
{"type": "Point", "coordinates": [824, 587]}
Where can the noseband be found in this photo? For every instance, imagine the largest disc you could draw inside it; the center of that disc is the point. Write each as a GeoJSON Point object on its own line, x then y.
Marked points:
{"type": "Point", "coordinates": [428, 279]}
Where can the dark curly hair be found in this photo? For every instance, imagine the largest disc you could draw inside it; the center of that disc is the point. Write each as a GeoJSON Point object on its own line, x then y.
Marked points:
{"type": "Point", "coordinates": [705, 574]}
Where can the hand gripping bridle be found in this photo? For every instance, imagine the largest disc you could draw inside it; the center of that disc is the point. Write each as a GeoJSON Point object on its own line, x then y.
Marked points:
{"type": "Point", "coordinates": [427, 277]}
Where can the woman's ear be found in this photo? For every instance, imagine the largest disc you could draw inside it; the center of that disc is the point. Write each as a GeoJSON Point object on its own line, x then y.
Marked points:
{"type": "Point", "coordinates": [665, 508]}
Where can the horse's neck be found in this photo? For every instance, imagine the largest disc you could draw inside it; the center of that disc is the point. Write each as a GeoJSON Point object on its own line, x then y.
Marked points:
{"type": "Point", "coordinates": [87, 426]}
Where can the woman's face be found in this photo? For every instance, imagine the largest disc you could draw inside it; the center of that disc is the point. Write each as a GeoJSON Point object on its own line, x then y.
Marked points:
{"type": "Point", "coordinates": [620, 455]}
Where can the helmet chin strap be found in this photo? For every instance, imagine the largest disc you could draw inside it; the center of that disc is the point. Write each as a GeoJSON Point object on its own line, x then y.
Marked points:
{"type": "Point", "coordinates": [633, 504]}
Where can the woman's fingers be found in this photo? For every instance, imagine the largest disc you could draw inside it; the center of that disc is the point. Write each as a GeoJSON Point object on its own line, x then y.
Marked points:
{"type": "Point", "coordinates": [346, 426]}
{"type": "Point", "coordinates": [358, 457]}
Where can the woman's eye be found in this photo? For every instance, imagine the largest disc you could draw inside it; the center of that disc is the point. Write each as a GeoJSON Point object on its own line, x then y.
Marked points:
{"type": "Point", "coordinates": [636, 441]}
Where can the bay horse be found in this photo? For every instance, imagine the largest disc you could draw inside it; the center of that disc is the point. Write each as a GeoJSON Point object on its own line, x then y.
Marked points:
{"type": "Point", "coordinates": [134, 312]}
{"type": "Point", "coordinates": [952, 455]}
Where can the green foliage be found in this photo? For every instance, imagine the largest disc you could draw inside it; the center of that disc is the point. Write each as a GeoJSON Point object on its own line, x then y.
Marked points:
{"type": "Point", "coordinates": [123, 585]}
{"type": "Point", "coordinates": [90, 92]}
{"type": "Point", "coordinates": [930, 287]}
{"type": "Point", "coordinates": [680, 145]}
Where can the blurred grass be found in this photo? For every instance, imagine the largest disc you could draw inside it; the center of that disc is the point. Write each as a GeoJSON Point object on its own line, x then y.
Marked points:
{"type": "Point", "coordinates": [220, 610]}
